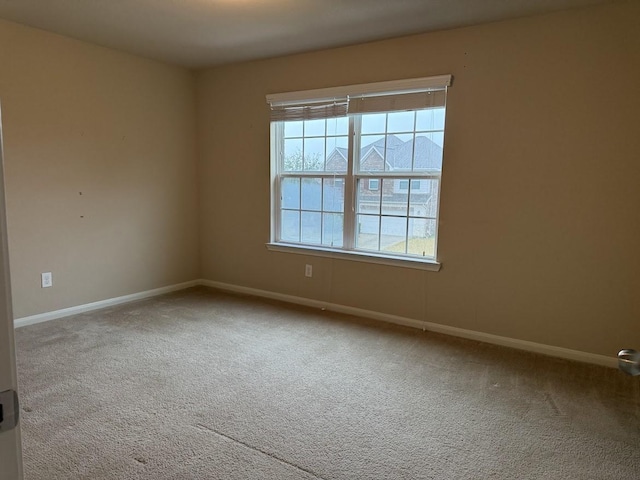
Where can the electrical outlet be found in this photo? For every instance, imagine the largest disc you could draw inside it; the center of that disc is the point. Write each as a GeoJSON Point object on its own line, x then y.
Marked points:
{"type": "Point", "coordinates": [308, 271]}
{"type": "Point", "coordinates": [47, 280]}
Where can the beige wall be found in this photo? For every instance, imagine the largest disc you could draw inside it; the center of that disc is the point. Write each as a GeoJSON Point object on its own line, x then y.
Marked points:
{"type": "Point", "coordinates": [540, 221]}
{"type": "Point", "coordinates": [119, 129]}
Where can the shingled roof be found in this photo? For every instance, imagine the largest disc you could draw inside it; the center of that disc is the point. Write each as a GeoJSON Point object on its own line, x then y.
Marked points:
{"type": "Point", "coordinates": [428, 155]}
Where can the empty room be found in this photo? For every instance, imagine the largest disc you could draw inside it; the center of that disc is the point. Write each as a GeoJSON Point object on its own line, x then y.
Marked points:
{"type": "Point", "coordinates": [320, 240]}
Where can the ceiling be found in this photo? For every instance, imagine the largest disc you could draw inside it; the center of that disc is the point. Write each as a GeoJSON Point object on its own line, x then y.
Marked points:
{"type": "Point", "coordinates": [199, 33]}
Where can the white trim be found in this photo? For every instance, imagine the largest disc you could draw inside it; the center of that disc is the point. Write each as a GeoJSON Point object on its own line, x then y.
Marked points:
{"type": "Point", "coordinates": [541, 348]}
{"type": "Point", "coordinates": [417, 263]}
{"type": "Point", "coordinates": [88, 307]}
{"type": "Point", "coordinates": [408, 85]}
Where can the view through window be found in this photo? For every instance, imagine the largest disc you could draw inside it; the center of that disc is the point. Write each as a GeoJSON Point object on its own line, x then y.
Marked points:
{"type": "Point", "coordinates": [360, 179]}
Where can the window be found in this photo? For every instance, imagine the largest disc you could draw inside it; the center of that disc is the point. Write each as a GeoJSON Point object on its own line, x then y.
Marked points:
{"type": "Point", "coordinates": [404, 185]}
{"type": "Point", "coordinates": [357, 169]}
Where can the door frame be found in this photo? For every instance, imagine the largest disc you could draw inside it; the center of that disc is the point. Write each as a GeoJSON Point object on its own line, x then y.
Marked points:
{"type": "Point", "coordinates": [10, 441]}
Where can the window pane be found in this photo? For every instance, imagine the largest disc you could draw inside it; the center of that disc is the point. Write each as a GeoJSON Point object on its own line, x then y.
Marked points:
{"type": "Point", "coordinates": [424, 201]}
{"type": "Point", "coordinates": [293, 155]}
{"type": "Point", "coordinates": [431, 119]}
{"type": "Point", "coordinates": [395, 201]}
{"type": "Point", "coordinates": [332, 229]}
{"type": "Point", "coordinates": [371, 158]}
{"type": "Point", "coordinates": [314, 154]}
{"type": "Point", "coordinates": [428, 152]}
{"type": "Point", "coordinates": [368, 200]}
{"type": "Point", "coordinates": [367, 230]}
{"type": "Point", "coordinates": [333, 195]}
{"type": "Point", "coordinates": [338, 126]}
{"type": "Point", "coordinates": [399, 151]}
{"type": "Point", "coordinates": [401, 122]}
{"type": "Point", "coordinates": [292, 129]}
{"type": "Point", "coordinates": [374, 123]}
{"type": "Point", "coordinates": [290, 226]}
{"type": "Point", "coordinates": [397, 164]}
{"type": "Point", "coordinates": [314, 128]}
{"type": "Point", "coordinates": [311, 227]}
{"type": "Point", "coordinates": [337, 154]}
{"type": "Point", "coordinates": [393, 234]}
{"type": "Point", "coordinates": [290, 193]}
{"type": "Point", "coordinates": [311, 194]}
{"type": "Point", "coordinates": [422, 237]}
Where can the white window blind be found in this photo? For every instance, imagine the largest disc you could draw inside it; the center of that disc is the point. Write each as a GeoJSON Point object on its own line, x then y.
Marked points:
{"type": "Point", "coordinates": [396, 102]}
{"type": "Point", "coordinates": [398, 95]}
{"type": "Point", "coordinates": [285, 112]}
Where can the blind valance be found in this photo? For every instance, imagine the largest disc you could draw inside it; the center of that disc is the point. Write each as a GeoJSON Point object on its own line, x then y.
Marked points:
{"type": "Point", "coordinates": [397, 95]}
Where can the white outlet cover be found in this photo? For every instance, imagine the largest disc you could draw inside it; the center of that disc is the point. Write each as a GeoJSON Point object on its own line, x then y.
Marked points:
{"type": "Point", "coordinates": [47, 280]}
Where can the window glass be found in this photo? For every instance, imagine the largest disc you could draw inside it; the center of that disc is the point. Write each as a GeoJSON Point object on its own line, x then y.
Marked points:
{"type": "Point", "coordinates": [290, 193]}
{"type": "Point", "coordinates": [311, 194]}
{"type": "Point", "coordinates": [293, 129]}
{"type": "Point", "coordinates": [337, 152]}
{"type": "Point", "coordinates": [368, 200]}
{"type": "Point", "coordinates": [393, 234]}
{"type": "Point", "coordinates": [290, 226]}
{"type": "Point", "coordinates": [314, 128]}
{"type": "Point", "coordinates": [374, 123]}
{"type": "Point", "coordinates": [370, 158]}
{"type": "Point", "coordinates": [293, 154]}
{"type": "Point", "coordinates": [333, 195]}
{"type": "Point", "coordinates": [431, 119]}
{"type": "Point", "coordinates": [399, 122]}
{"type": "Point", "coordinates": [332, 229]}
{"type": "Point", "coordinates": [314, 154]}
{"type": "Point", "coordinates": [311, 227]}
{"type": "Point", "coordinates": [368, 232]}
{"type": "Point", "coordinates": [369, 181]}
{"type": "Point", "coordinates": [337, 126]}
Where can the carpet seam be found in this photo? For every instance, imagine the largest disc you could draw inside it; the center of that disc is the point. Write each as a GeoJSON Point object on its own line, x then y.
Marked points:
{"type": "Point", "coordinates": [256, 449]}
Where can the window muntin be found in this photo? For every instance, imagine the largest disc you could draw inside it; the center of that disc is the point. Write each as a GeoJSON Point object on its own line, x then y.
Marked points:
{"type": "Point", "coordinates": [364, 182]}
{"type": "Point", "coordinates": [314, 145]}
{"type": "Point", "coordinates": [312, 206]}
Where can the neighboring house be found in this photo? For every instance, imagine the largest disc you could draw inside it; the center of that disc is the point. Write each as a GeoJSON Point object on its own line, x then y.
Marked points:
{"type": "Point", "coordinates": [395, 156]}
{"type": "Point", "coordinates": [398, 155]}
{"type": "Point", "coordinates": [376, 194]}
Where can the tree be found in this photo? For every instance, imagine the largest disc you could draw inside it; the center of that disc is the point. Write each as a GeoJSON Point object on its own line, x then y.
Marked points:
{"type": "Point", "coordinates": [296, 162]}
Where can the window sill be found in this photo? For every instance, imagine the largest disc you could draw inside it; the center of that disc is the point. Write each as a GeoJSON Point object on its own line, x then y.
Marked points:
{"type": "Point", "coordinates": [380, 259]}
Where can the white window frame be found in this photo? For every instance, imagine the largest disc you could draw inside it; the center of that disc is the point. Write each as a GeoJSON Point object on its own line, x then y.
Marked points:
{"type": "Point", "coordinates": [351, 177]}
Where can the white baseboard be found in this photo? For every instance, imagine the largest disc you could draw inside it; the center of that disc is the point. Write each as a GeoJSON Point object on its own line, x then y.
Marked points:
{"type": "Point", "coordinates": [549, 350]}
{"type": "Point", "coordinates": [87, 307]}
{"type": "Point", "coordinates": [334, 307]}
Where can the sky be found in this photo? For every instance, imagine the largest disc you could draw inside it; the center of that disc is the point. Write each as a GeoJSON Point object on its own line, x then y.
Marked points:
{"type": "Point", "coordinates": [321, 137]}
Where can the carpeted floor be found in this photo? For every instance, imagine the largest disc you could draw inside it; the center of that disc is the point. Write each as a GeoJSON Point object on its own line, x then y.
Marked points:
{"type": "Point", "coordinates": [206, 385]}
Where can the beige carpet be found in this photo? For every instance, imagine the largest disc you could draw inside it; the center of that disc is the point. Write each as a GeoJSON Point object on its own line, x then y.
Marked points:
{"type": "Point", "coordinates": [205, 385]}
